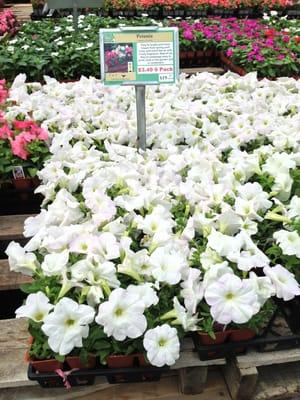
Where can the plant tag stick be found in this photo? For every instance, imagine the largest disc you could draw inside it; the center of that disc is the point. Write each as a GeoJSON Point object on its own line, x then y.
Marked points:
{"type": "Point", "coordinates": [18, 172]}
{"type": "Point", "coordinates": [140, 98]}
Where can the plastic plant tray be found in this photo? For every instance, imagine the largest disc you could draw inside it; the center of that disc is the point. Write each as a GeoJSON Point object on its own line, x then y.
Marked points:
{"type": "Point", "coordinates": [87, 377]}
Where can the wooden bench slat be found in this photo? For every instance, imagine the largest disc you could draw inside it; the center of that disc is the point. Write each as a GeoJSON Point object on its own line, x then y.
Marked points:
{"type": "Point", "coordinates": [11, 280]}
{"type": "Point", "coordinates": [12, 226]}
{"type": "Point", "coordinates": [257, 359]}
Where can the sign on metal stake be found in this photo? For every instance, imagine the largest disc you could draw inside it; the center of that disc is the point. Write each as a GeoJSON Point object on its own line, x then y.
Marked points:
{"type": "Point", "coordinates": [139, 56]}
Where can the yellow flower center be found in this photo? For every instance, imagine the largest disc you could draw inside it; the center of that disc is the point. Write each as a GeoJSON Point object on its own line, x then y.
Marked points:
{"type": "Point", "coordinates": [70, 322]}
{"type": "Point", "coordinates": [229, 296]}
{"type": "Point", "coordinates": [162, 342]}
{"type": "Point", "coordinates": [118, 312]}
{"type": "Point", "coordinates": [38, 316]}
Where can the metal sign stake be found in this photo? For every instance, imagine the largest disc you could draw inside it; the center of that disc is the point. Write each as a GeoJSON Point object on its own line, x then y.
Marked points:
{"type": "Point", "coordinates": [140, 98]}
{"type": "Point", "coordinates": [75, 16]}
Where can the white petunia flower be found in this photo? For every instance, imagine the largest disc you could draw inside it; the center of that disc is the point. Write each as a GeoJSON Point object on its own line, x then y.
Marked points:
{"type": "Point", "coordinates": [67, 325]}
{"type": "Point", "coordinates": [192, 290]}
{"type": "Point", "coordinates": [162, 345]}
{"type": "Point", "coordinates": [284, 282]}
{"type": "Point", "coordinates": [294, 208]}
{"type": "Point", "coordinates": [55, 263]}
{"type": "Point", "coordinates": [122, 315]}
{"type": "Point", "coordinates": [180, 316]}
{"type": "Point", "coordinates": [20, 261]}
{"type": "Point", "coordinates": [263, 287]}
{"type": "Point", "coordinates": [167, 265]}
{"type": "Point", "coordinates": [289, 242]}
{"type": "Point", "coordinates": [224, 245]}
{"type": "Point", "coordinates": [232, 300]}
{"type": "Point", "coordinates": [37, 307]}
{"type": "Point", "coordinates": [106, 246]}
{"type": "Point", "coordinates": [145, 292]}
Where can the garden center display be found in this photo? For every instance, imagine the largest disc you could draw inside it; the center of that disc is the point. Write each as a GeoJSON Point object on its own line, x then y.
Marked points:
{"type": "Point", "coordinates": [133, 250]}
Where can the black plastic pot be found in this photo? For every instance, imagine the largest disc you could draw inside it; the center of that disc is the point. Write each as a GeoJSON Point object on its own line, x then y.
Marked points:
{"type": "Point", "coordinates": [245, 13]}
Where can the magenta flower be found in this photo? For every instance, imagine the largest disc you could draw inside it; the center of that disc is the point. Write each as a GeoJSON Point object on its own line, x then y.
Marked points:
{"type": "Point", "coordinates": [188, 35]}
{"type": "Point", "coordinates": [229, 53]}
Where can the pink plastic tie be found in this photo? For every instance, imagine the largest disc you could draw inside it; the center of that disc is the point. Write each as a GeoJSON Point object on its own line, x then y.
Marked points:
{"type": "Point", "coordinates": [64, 375]}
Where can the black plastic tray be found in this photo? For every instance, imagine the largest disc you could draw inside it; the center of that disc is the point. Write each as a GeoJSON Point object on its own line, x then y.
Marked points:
{"type": "Point", "coordinates": [230, 349]}
{"type": "Point", "coordinates": [87, 377]}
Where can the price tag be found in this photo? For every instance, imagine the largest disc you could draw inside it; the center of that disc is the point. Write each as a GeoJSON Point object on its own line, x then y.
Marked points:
{"type": "Point", "coordinates": [139, 56]}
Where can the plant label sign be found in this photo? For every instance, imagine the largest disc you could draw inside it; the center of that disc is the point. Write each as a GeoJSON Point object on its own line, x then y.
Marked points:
{"type": "Point", "coordinates": [139, 56]}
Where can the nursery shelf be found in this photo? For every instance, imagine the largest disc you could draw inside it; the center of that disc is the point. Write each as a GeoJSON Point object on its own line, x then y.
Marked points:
{"type": "Point", "coordinates": [11, 226]}
{"type": "Point", "coordinates": [11, 280]}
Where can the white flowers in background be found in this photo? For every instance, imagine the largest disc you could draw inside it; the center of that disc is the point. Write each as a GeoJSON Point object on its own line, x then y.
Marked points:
{"type": "Point", "coordinates": [122, 315]}
{"type": "Point", "coordinates": [67, 325]}
{"type": "Point", "coordinates": [37, 307]}
{"type": "Point", "coordinates": [20, 261]}
{"type": "Point", "coordinates": [162, 345]}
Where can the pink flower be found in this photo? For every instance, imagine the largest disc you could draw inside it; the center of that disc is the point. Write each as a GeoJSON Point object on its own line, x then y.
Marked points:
{"type": "Point", "coordinates": [5, 132]}
{"type": "Point", "coordinates": [229, 53]}
{"type": "Point", "coordinates": [20, 125]}
{"type": "Point", "coordinates": [286, 38]}
{"type": "Point", "coordinates": [18, 146]}
{"type": "Point", "coordinates": [259, 57]}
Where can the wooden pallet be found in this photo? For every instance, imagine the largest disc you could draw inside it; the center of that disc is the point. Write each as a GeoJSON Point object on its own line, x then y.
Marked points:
{"type": "Point", "coordinates": [22, 12]}
{"type": "Point", "coordinates": [11, 227]}
{"type": "Point", "coordinates": [242, 374]}
{"type": "Point", "coordinates": [11, 280]}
